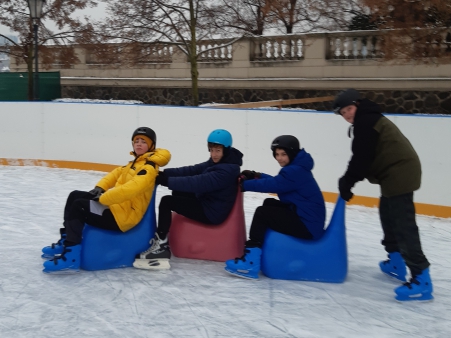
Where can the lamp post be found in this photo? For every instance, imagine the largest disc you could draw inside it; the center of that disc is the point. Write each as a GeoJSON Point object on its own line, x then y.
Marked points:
{"type": "Point", "coordinates": [35, 7]}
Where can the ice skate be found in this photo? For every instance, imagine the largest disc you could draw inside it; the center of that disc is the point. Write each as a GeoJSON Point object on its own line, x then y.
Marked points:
{"type": "Point", "coordinates": [419, 288]}
{"type": "Point", "coordinates": [248, 266]}
{"type": "Point", "coordinates": [57, 248]}
{"type": "Point", "coordinates": [394, 266]}
{"type": "Point", "coordinates": [66, 263]}
{"type": "Point", "coordinates": [156, 257]}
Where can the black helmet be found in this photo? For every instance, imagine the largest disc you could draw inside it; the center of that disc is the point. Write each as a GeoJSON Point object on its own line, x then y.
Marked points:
{"type": "Point", "coordinates": [345, 98]}
{"type": "Point", "coordinates": [288, 143]}
{"type": "Point", "coordinates": [146, 132]}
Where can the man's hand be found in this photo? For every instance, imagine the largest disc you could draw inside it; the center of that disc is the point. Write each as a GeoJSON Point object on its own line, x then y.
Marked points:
{"type": "Point", "coordinates": [345, 186]}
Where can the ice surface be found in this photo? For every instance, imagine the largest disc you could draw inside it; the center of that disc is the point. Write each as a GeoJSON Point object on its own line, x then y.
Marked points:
{"type": "Point", "coordinates": [198, 298]}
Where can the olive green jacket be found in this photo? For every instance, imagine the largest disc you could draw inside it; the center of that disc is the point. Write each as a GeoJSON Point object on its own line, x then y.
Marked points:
{"type": "Point", "coordinates": [382, 154]}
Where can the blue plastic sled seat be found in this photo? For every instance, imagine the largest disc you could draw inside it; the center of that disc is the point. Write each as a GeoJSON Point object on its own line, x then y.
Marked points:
{"type": "Point", "coordinates": [323, 260]}
{"type": "Point", "coordinates": [106, 249]}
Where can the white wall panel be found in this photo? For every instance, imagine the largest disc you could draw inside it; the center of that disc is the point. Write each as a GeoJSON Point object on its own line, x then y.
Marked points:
{"type": "Point", "coordinates": [101, 133]}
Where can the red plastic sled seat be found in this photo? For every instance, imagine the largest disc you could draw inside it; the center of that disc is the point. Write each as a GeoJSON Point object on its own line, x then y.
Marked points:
{"type": "Point", "coordinates": [191, 239]}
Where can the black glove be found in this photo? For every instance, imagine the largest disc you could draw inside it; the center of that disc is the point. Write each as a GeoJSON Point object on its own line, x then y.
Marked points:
{"type": "Point", "coordinates": [345, 186]}
{"type": "Point", "coordinates": [96, 193]}
{"type": "Point", "coordinates": [250, 174]}
{"type": "Point", "coordinates": [161, 179]}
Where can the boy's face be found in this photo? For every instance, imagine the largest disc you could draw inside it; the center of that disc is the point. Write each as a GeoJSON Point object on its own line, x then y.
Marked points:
{"type": "Point", "coordinates": [348, 113]}
{"type": "Point", "coordinates": [216, 153]}
{"type": "Point", "coordinates": [282, 157]}
{"type": "Point", "coordinates": [140, 146]}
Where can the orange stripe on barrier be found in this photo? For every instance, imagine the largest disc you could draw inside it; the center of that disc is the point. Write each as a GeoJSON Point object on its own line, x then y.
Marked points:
{"type": "Point", "coordinates": [59, 164]}
{"type": "Point", "coordinates": [372, 202]}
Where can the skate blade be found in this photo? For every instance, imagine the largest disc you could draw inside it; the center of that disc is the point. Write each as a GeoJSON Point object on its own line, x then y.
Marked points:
{"type": "Point", "coordinates": [240, 274]}
{"type": "Point", "coordinates": [394, 277]}
{"type": "Point", "coordinates": [427, 297]}
{"type": "Point", "coordinates": [62, 272]}
{"type": "Point", "coordinates": [152, 264]}
{"type": "Point", "coordinates": [48, 257]}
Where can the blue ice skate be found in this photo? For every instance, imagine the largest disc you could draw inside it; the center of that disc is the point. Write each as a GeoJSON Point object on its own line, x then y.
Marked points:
{"type": "Point", "coordinates": [57, 248]}
{"type": "Point", "coordinates": [419, 288]}
{"type": "Point", "coordinates": [247, 266]}
{"type": "Point", "coordinates": [67, 262]}
{"type": "Point", "coordinates": [394, 266]}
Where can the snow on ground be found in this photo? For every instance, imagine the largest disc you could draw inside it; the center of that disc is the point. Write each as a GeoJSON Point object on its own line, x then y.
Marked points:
{"type": "Point", "coordinates": [197, 298]}
{"type": "Point", "coordinates": [98, 101]}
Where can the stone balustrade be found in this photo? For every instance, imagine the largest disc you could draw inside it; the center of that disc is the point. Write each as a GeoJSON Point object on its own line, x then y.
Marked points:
{"type": "Point", "coordinates": [268, 68]}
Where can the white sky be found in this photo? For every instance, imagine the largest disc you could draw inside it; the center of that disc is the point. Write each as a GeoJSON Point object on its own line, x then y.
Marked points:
{"type": "Point", "coordinates": [96, 13]}
{"type": "Point", "coordinates": [198, 298]}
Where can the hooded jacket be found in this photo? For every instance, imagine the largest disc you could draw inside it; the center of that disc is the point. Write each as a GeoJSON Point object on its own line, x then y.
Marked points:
{"type": "Point", "coordinates": [296, 186]}
{"type": "Point", "coordinates": [214, 184]}
{"type": "Point", "coordinates": [128, 189]}
{"type": "Point", "coordinates": [382, 154]}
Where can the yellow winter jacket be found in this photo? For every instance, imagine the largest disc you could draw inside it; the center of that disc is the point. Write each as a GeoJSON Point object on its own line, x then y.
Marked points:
{"type": "Point", "coordinates": [128, 189]}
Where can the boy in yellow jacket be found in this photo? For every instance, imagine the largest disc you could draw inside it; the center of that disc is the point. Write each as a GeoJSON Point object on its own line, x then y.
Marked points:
{"type": "Point", "coordinates": [117, 203]}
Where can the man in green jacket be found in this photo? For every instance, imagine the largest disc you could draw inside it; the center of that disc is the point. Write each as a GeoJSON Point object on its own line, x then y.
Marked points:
{"type": "Point", "coordinates": [384, 156]}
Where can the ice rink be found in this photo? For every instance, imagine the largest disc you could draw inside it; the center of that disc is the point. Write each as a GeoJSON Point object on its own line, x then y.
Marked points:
{"type": "Point", "coordinates": [198, 298]}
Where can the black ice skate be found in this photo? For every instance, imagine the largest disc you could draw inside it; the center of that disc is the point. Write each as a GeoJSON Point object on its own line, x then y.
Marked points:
{"type": "Point", "coordinates": [156, 257]}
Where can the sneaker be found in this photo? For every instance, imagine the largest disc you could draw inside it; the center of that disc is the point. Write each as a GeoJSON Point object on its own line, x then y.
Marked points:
{"type": "Point", "coordinates": [419, 288]}
{"type": "Point", "coordinates": [394, 266]}
{"type": "Point", "coordinates": [156, 257]}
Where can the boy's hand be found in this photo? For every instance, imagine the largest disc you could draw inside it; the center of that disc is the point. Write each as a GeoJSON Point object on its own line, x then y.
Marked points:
{"type": "Point", "coordinates": [250, 174]}
{"type": "Point", "coordinates": [344, 186]}
{"type": "Point", "coordinates": [161, 179]}
{"type": "Point", "coordinates": [96, 193]}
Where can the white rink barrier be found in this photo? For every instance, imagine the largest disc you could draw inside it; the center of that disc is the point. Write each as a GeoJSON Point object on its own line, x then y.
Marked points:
{"type": "Point", "coordinates": [96, 136]}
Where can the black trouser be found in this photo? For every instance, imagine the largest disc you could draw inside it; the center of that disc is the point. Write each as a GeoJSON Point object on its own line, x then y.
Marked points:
{"type": "Point", "coordinates": [401, 234]}
{"type": "Point", "coordinates": [279, 217]}
{"type": "Point", "coordinates": [185, 204]}
{"type": "Point", "coordinates": [80, 209]}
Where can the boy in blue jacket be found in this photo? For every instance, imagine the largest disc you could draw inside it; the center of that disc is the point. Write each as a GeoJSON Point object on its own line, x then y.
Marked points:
{"type": "Point", "coordinates": [300, 211]}
{"type": "Point", "coordinates": [204, 192]}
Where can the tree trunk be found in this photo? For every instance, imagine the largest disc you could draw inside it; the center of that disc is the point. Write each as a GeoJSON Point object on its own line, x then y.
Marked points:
{"type": "Point", "coordinates": [193, 56]}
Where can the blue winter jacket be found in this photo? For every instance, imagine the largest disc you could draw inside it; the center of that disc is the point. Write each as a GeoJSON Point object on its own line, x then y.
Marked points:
{"type": "Point", "coordinates": [215, 184]}
{"type": "Point", "coordinates": [296, 185]}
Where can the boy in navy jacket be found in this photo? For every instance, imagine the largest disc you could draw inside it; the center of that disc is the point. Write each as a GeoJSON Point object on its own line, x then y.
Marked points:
{"type": "Point", "coordinates": [300, 211]}
{"type": "Point", "coordinates": [204, 192]}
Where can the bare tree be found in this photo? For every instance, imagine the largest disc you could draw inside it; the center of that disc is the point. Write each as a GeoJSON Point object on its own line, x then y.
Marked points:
{"type": "Point", "coordinates": [414, 29]}
{"type": "Point", "coordinates": [242, 16]}
{"type": "Point", "coordinates": [59, 14]}
{"type": "Point", "coordinates": [136, 30]}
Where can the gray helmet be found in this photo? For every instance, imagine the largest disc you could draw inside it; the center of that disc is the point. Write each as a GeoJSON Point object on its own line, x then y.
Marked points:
{"type": "Point", "coordinates": [345, 98]}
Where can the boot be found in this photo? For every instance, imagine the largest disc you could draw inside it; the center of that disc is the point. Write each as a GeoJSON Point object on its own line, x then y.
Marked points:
{"type": "Point", "coordinates": [248, 266]}
{"type": "Point", "coordinates": [57, 248]}
{"type": "Point", "coordinates": [419, 288]}
{"type": "Point", "coordinates": [394, 266]}
{"type": "Point", "coordinates": [67, 262]}
{"type": "Point", "coordinates": [156, 257]}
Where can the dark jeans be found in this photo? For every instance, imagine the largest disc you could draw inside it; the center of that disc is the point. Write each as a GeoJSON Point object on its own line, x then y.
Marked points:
{"type": "Point", "coordinates": [279, 217]}
{"type": "Point", "coordinates": [185, 204]}
{"type": "Point", "coordinates": [80, 209]}
{"type": "Point", "coordinates": [401, 234]}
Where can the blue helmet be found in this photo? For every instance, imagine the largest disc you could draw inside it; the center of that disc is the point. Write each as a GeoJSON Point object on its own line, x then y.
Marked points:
{"type": "Point", "coordinates": [220, 136]}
